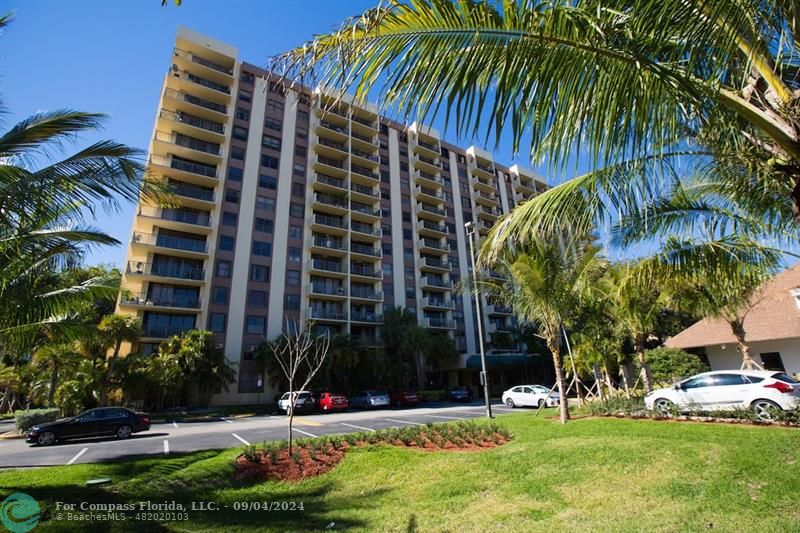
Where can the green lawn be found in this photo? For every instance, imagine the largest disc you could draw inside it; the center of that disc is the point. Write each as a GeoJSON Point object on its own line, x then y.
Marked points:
{"type": "Point", "coordinates": [600, 474]}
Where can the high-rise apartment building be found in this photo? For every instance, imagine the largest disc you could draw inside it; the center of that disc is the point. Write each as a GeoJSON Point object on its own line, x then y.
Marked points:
{"type": "Point", "coordinates": [295, 205]}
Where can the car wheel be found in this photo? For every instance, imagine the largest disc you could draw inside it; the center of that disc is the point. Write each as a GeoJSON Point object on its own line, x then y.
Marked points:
{"type": "Point", "coordinates": [123, 432]}
{"type": "Point", "coordinates": [663, 407]}
{"type": "Point", "coordinates": [510, 403]}
{"type": "Point", "coordinates": [540, 404]}
{"type": "Point", "coordinates": [765, 410]}
{"type": "Point", "coordinates": [46, 439]}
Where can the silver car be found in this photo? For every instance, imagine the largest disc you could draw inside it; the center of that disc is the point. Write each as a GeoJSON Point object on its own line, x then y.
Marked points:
{"type": "Point", "coordinates": [369, 399]}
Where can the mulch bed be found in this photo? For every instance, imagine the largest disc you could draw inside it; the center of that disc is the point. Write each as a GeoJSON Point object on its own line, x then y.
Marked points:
{"type": "Point", "coordinates": [303, 465]}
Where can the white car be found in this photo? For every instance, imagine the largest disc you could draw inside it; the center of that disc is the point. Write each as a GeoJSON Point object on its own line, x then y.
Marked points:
{"type": "Point", "coordinates": [763, 391]}
{"type": "Point", "coordinates": [304, 402]}
{"type": "Point", "coordinates": [530, 396]}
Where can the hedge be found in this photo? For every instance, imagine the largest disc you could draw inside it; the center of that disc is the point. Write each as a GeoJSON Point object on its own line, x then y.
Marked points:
{"type": "Point", "coordinates": [27, 419]}
{"type": "Point", "coordinates": [432, 395]}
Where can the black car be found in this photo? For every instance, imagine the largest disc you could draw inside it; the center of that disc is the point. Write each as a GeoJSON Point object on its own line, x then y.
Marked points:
{"type": "Point", "coordinates": [462, 393]}
{"type": "Point", "coordinates": [103, 421]}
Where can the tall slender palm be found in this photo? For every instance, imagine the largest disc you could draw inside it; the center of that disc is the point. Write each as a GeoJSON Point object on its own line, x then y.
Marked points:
{"type": "Point", "coordinates": [548, 281]}
{"type": "Point", "coordinates": [53, 358]}
{"type": "Point", "coordinates": [117, 329]}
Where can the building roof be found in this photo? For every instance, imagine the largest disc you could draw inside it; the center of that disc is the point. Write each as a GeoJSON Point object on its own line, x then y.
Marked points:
{"type": "Point", "coordinates": [775, 315]}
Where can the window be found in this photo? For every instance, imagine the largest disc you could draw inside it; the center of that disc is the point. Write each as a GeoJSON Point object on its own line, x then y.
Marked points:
{"type": "Point", "coordinates": [406, 216]}
{"type": "Point", "coordinates": [269, 161]}
{"type": "Point", "coordinates": [264, 249]}
{"type": "Point", "coordinates": [269, 141]}
{"type": "Point", "coordinates": [216, 322]}
{"type": "Point", "coordinates": [240, 133]}
{"type": "Point", "coordinates": [275, 106]}
{"type": "Point", "coordinates": [387, 229]}
{"type": "Point", "coordinates": [259, 273]}
{"type": "Point", "coordinates": [300, 151]}
{"type": "Point", "coordinates": [697, 383]}
{"type": "Point", "coordinates": [291, 302]}
{"type": "Point", "coordinates": [237, 152]}
{"type": "Point", "coordinates": [265, 202]}
{"type": "Point", "coordinates": [257, 298]}
{"type": "Point", "coordinates": [235, 174]}
{"type": "Point", "coordinates": [245, 95]}
{"type": "Point", "coordinates": [772, 361]}
{"type": "Point", "coordinates": [232, 196]}
{"type": "Point", "coordinates": [294, 255]}
{"type": "Point", "coordinates": [302, 133]}
{"type": "Point", "coordinates": [302, 116]}
{"type": "Point", "coordinates": [268, 182]}
{"type": "Point", "coordinates": [220, 296]}
{"type": "Point", "coordinates": [228, 218]}
{"type": "Point", "coordinates": [277, 88]}
{"type": "Point", "coordinates": [272, 124]}
{"type": "Point", "coordinates": [226, 243]}
{"type": "Point", "coordinates": [409, 272]}
{"type": "Point", "coordinates": [293, 278]}
{"type": "Point", "coordinates": [387, 269]}
{"type": "Point", "coordinates": [385, 194]}
{"type": "Point", "coordinates": [256, 325]}
{"type": "Point", "coordinates": [411, 294]}
{"type": "Point", "coordinates": [247, 77]}
{"type": "Point", "coordinates": [404, 167]}
{"type": "Point", "coordinates": [386, 247]}
{"type": "Point", "coordinates": [298, 189]}
{"type": "Point", "coordinates": [407, 234]}
{"type": "Point", "coordinates": [295, 232]}
{"type": "Point", "coordinates": [242, 114]}
{"type": "Point", "coordinates": [263, 224]}
{"type": "Point", "coordinates": [224, 269]}
{"type": "Point", "coordinates": [408, 255]}
{"type": "Point", "coordinates": [296, 210]}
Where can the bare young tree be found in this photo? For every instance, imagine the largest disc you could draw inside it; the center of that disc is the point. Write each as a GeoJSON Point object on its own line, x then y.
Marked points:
{"type": "Point", "coordinates": [300, 355]}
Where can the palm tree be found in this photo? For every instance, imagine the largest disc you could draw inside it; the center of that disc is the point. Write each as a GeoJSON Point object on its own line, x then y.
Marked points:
{"type": "Point", "coordinates": [117, 329]}
{"type": "Point", "coordinates": [53, 358]}
{"type": "Point", "coordinates": [620, 79]}
{"type": "Point", "coordinates": [548, 281]}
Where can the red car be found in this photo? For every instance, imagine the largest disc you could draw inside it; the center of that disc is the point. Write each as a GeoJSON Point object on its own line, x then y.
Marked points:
{"type": "Point", "coordinates": [330, 401]}
{"type": "Point", "coordinates": [404, 398]}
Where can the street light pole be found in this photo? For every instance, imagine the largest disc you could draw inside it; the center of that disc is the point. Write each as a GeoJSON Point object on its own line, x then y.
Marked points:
{"type": "Point", "coordinates": [484, 374]}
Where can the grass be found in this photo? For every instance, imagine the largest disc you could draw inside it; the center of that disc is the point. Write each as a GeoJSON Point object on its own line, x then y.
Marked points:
{"type": "Point", "coordinates": [598, 474]}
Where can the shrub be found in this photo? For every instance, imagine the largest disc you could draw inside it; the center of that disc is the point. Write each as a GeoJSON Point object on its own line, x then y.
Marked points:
{"type": "Point", "coordinates": [668, 365]}
{"type": "Point", "coordinates": [432, 395]}
{"type": "Point", "coordinates": [615, 406]}
{"type": "Point", "coordinates": [27, 419]}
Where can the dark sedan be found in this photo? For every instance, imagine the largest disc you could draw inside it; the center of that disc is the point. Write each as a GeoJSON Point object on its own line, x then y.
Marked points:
{"type": "Point", "coordinates": [462, 393]}
{"type": "Point", "coordinates": [100, 422]}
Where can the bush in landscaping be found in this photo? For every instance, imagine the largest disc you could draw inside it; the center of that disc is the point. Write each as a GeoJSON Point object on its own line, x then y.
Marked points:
{"type": "Point", "coordinates": [27, 419]}
{"type": "Point", "coordinates": [432, 395]}
{"type": "Point", "coordinates": [617, 406]}
{"type": "Point", "coordinates": [669, 365]}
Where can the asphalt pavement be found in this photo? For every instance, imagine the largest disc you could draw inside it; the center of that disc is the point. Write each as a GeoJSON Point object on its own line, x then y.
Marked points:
{"type": "Point", "coordinates": [170, 437]}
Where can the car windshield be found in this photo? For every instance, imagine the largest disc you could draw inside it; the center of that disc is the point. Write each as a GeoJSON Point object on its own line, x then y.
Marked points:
{"type": "Point", "coordinates": [285, 396]}
{"type": "Point", "coordinates": [785, 378]}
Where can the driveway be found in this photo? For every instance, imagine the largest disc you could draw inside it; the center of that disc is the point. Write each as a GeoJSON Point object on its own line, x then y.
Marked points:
{"type": "Point", "coordinates": [179, 437]}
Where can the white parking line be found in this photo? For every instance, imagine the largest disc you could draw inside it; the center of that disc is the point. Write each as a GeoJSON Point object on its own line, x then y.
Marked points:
{"type": "Point", "coordinates": [77, 456]}
{"type": "Point", "coordinates": [226, 420]}
{"type": "Point", "coordinates": [240, 438]}
{"type": "Point", "coordinates": [166, 447]}
{"type": "Point", "coordinates": [357, 427]}
{"type": "Point", "coordinates": [448, 417]}
{"type": "Point", "coordinates": [304, 432]}
{"type": "Point", "coordinates": [175, 424]}
{"type": "Point", "coordinates": [404, 422]}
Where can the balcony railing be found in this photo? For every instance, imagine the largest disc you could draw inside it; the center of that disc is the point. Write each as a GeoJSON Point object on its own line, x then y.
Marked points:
{"type": "Point", "coordinates": [365, 138]}
{"type": "Point", "coordinates": [193, 144]}
{"type": "Point", "coordinates": [429, 192]}
{"type": "Point", "coordinates": [362, 316]}
{"type": "Point", "coordinates": [327, 242]}
{"type": "Point", "coordinates": [328, 289]}
{"type": "Point", "coordinates": [365, 228]}
{"type": "Point", "coordinates": [366, 209]}
{"type": "Point", "coordinates": [429, 176]}
{"type": "Point", "coordinates": [368, 191]}
{"type": "Point", "coordinates": [366, 271]}
{"type": "Point", "coordinates": [334, 127]}
{"type": "Point", "coordinates": [329, 199]}
{"type": "Point", "coordinates": [431, 209]}
{"type": "Point", "coordinates": [430, 146]}
{"type": "Point", "coordinates": [365, 121]}
{"type": "Point", "coordinates": [435, 322]}
{"type": "Point", "coordinates": [365, 155]}
{"type": "Point", "coordinates": [361, 171]}
{"type": "Point", "coordinates": [327, 314]}
{"type": "Point", "coordinates": [363, 249]}
{"type": "Point", "coordinates": [429, 161]}
{"type": "Point", "coordinates": [444, 303]}
{"type": "Point", "coordinates": [202, 61]}
{"type": "Point", "coordinates": [433, 226]}
{"type": "Point", "coordinates": [167, 241]}
{"type": "Point", "coordinates": [330, 180]}
{"type": "Point", "coordinates": [208, 83]}
{"type": "Point", "coordinates": [192, 192]}
{"type": "Point", "coordinates": [367, 294]}
{"type": "Point", "coordinates": [331, 162]}
{"type": "Point", "coordinates": [196, 100]}
{"type": "Point", "coordinates": [171, 300]}
{"type": "Point", "coordinates": [166, 270]}
{"type": "Point", "coordinates": [178, 163]}
{"type": "Point", "coordinates": [433, 243]}
{"type": "Point", "coordinates": [325, 220]}
{"type": "Point", "coordinates": [327, 266]}
{"type": "Point", "coordinates": [162, 332]}
{"type": "Point", "coordinates": [191, 120]}
{"type": "Point", "coordinates": [176, 215]}
{"type": "Point", "coordinates": [435, 263]}
{"type": "Point", "coordinates": [436, 282]}
{"type": "Point", "coordinates": [332, 144]}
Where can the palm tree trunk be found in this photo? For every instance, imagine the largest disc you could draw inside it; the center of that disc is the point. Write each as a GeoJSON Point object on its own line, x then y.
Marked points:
{"type": "Point", "coordinates": [562, 392]}
{"type": "Point", "coordinates": [53, 382]}
{"type": "Point", "coordinates": [4, 399]}
{"type": "Point", "coordinates": [647, 378]}
{"type": "Point", "coordinates": [744, 349]}
{"type": "Point", "coordinates": [109, 371]}
{"type": "Point", "coordinates": [420, 371]}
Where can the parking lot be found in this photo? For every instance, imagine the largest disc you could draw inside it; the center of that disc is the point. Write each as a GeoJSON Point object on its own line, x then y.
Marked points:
{"type": "Point", "coordinates": [178, 437]}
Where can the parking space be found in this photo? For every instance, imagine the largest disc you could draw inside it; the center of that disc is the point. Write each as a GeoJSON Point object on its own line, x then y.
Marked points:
{"type": "Point", "coordinates": [168, 438]}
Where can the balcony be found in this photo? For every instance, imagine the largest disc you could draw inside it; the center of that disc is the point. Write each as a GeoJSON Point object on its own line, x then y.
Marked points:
{"type": "Point", "coordinates": [482, 184]}
{"type": "Point", "coordinates": [527, 190]}
{"type": "Point", "coordinates": [326, 290]}
{"type": "Point", "coordinates": [199, 106]}
{"type": "Point", "coordinates": [436, 265]}
{"type": "Point", "coordinates": [188, 124]}
{"type": "Point", "coordinates": [202, 86]}
{"type": "Point", "coordinates": [430, 212]}
{"type": "Point", "coordinates": [437, 303]}
{"type": "Point", "coordinates": [366, 229]}
{"type": "Point", "coordinates": [335, 112]}
{"type": "Point", "coordinates": [333, 148]}
{"type": "Point", "coordinates": [432, 149]}
{"type": "Point", "coordinates": [170, 242]}
{"type": "Point", "coordinates": [336, 167]}
{"type": "Point", "coordinates": [429, 164]}
{"type": "Point", "coordinates": [166, 270]}
{"type": "Point", "coordinates": [487, 212]}
{"type": "Point", "coordinates": [427, 178]}
{"type": "Point", "coordinates": [365, 271]}
{"type": "Point", "coordinates": [171, 301]}
{"type": "Point", "coordinates": [364, 175]}
{"type": "Point", "coordinates": [208, 65]}
{"type": "Point", "coordinates": [188, 218]}
{"type": "Point", "coordinates": [154, 331]}
{"type": "Point", "coordinates": [367, 142]}
{"type": "Point", "coordinates": [358, 293]}
{"type": "Point", "coordinates": [187, 147]}
{"type": "Point", "coordinates": [363, 249]}
{"type": "Point", "coordinates": [326, 266]}
{"type": "Point", "coordinates": [327, 242]}
{"type": "Point", "coordinates": [328, 183]}
{"type": "Point", "coordinates": [436, 282]}
{"type": "Point", "coordinates": [364, 212]}
{"type": "Point", "coordinates": [187, 168]}
{"type": "Point", "coordinates": [368, 126]}
{"type": "Point", "coordinates": [329, 203]}
{"type": "Point", "coordinates": [317, 313]}
{"type": "Point", "coordinates": [483, 227]}
{"type": "Point", "coordinates": [332, 131]}
{"type": "Point", "coordinates": [431, 229]}
{"type": "Point", "coordinates": [371, 193]}
{"type": "Point", "coordinates": [426, 194]}
{"type": "Point", "coordinates": [369, 317]}
{"type": "Point", "coordinates": [497, 309]}
{"type": "Point", "coordinates": [438, 323]}
{"type": "Point", "coordinates": [496, 327]}
{"type": "Point", "coordinates": [488, 199]}
{"type": "Point", "coordinates": [364, 158]}
{"type": "Point", "coordinates": [189, 191]}
{"type": "Point", "coordinates": [433, 245]}
{"type": "Point", "coordinates": [486, 170]}
{"type": "Point", "coordinates": [326, 222]}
